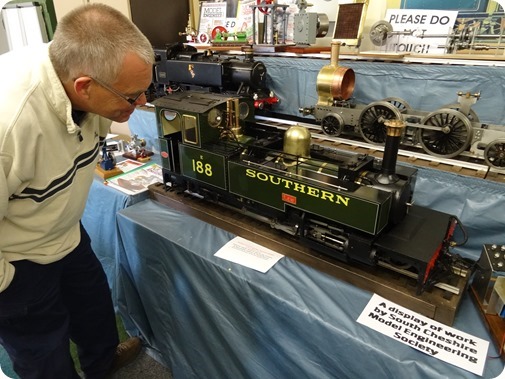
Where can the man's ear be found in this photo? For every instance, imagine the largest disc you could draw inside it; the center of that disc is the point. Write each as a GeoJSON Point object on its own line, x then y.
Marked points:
{"type": "Point", "coordinates": [82, 86]}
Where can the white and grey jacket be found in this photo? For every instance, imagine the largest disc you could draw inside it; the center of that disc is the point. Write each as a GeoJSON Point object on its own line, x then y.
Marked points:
{"type": "Point", "coordinates": [47, 162]}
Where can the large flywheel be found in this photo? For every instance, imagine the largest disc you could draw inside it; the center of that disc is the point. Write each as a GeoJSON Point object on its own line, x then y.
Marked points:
{"type": "Point", "coordinates": [379, 32]}
{"type": "Point", "coordinates": [332, 124]}
{"type": "Point", "coordinates": [494, 154]}
{"type": "Point", "coordinates": [447, 134]}
{"type": "Point", "coordinates": [371, 121]}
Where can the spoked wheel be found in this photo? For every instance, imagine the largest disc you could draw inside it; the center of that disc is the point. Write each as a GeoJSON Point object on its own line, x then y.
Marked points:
{"type": "Point", "coordinates": [371, 121]}
{"type": "Point", "coordinates": [472, 116]}
{"type": "Point", "coordinates": [398, 103]}
{"type": "Point", "coordinates": [494, 154]}
{"type": "Point", "coordinates": [332, 124]}
{"type": "Point", "coordinates": [449, 133]}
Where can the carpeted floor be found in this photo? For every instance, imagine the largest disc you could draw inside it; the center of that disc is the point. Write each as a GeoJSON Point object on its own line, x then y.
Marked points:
{"type": "Point", "coordinates": [144, 367]}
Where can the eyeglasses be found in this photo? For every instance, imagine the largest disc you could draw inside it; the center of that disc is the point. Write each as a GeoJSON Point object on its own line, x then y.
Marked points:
{"type": "Point", "coordinates": [131, 100]}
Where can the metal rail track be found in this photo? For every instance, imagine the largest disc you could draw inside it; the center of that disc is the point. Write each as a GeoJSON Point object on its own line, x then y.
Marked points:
{"type": "Point", "coordinates": [464, 164]}
{"type": "Point", "coordinates": [383, 56]}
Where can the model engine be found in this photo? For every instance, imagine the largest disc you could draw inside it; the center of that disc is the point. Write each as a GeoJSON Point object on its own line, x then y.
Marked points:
{"type": "Point", "coordinates": [448, 132]}
{"type": "Point", "coordinates": [348, 206]}
{"type": "Point", "coordinates": [181, 67]}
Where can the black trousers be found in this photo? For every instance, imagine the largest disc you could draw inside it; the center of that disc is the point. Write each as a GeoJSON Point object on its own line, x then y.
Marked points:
{"type": "Point", "coordinates": [47, 305]}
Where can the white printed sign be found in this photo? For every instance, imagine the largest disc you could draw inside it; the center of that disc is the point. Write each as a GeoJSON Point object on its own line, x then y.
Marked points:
{"type": "Point", "coordinates": [212, 15]}
{"type": "Point", "coordinates": [249, 254]}
{"type": "Point", "coordinates": [424, 334]}
{"type": "Point", "coordinates": [420, 31]}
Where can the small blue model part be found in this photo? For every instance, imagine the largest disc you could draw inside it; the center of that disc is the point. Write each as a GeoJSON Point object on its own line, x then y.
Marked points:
{"type": "Point", "coordinates": [108, 162]}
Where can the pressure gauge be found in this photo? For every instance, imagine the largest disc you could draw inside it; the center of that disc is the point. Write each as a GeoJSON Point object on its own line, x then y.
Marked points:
{"type": "Point", "coordinates": [215, 117]}
{"type": "Point", "coordinates": [243, 110]}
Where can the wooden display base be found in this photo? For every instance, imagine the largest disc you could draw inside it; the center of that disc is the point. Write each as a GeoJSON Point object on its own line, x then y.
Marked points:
{"type": "Point", "coordinates": [145, 158]}
{"type": "Point", "coordinates": [299, 49]}
{"type": "Point", "coordinates": [270, 48]}
{"type": "Point", "coordinates": [382, 55]}
{"type": "Point", "coordinates": [106, 174]}
{"type": "Point", "coordinates": [212, 47]}
{"type": "Point", "coordinates": [229, 45]}
{"type": "Point", "coordinates": [437, 304]}
{"type": "Point", "coordinates": [494, 323]}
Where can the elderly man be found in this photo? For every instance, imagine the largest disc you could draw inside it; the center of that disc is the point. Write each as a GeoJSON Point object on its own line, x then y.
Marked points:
{"type": "Point", "coordinates": [56, 105]}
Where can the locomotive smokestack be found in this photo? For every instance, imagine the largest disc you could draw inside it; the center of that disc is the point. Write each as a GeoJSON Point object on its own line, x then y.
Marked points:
{"type": "Point", "coordinates": [393, 136]}
{"type": "Point", "coordinates": [335, 52]}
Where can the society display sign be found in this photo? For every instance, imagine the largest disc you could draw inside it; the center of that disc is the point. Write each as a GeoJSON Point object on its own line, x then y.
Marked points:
{"type": "Point", "coordinates": [424, 334]}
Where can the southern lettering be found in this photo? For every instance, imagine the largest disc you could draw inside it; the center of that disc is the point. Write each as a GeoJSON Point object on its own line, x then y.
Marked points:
{"type": "Point", "coordinates": [298, 187]}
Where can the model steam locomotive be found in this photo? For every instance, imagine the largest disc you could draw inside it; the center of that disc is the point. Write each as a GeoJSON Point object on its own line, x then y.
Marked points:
{"type": "Point", "coordinates": [181, 67]}
{"type": "Point", "coordinates": [348, 206]}
{"type": "Point", "coordinates": [448, 132]}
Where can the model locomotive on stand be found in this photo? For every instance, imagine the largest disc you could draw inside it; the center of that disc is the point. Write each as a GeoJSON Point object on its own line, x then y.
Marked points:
{"type": "Point", "coordinates": [448, 132]}
{"type": "Point", "coordinates": [452, 131]}
{"type": "Point", "coordinates": [181, 67]}
{"type": "Point", "coordinates": [348, 206]}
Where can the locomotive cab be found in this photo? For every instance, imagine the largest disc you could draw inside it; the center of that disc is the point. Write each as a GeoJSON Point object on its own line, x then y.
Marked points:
{"type": "Point", "coordinates": [188, 122]}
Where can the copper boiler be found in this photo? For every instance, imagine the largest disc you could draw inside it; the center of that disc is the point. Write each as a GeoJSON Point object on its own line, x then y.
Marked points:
{"type": "Point", "coordinates": [334, 82]}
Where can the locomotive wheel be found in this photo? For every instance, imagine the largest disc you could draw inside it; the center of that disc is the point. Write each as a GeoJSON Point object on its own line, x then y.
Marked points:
{"type": "Point", "coordinates": [494, 154]}
{"type": "Point", "coordinates": [332, 124]}
{"type": "Point", "coordinates": [371, 121]}
{"type": "Point", "coordinates": [450, 136]}
{"type": "Point", "coordinates": [472, 116]}
{"type": "Point", "coordinates": [398, 103]}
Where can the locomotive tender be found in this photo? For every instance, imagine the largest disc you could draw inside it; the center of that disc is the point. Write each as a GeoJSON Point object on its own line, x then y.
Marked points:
{"type": "Point", "coordinates": [348, 206]}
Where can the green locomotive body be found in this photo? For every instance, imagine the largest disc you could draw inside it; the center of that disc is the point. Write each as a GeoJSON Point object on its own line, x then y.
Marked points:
{"type": "Point", "coordinates": [345, 205]}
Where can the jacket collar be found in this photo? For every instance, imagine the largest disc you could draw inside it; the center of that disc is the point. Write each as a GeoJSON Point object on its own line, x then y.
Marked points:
{"type": "Point", "coordinates": [55, 92]}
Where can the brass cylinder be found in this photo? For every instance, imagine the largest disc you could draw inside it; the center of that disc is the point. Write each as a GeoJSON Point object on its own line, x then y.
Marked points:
{"type": "Point", "coordinates": [233, 117]}
{"type": "Point", "coordinates": [394, 127]}
{"type": "Point", "coordinates": [335, 83]}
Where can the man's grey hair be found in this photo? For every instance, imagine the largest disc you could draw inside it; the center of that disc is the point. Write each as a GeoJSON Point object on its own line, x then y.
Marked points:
{"type": "Point", "coordinates": [93, 40]}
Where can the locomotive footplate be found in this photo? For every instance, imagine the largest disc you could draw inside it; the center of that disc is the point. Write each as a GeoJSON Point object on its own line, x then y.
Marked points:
{"type": "Point", "coordinates": [437, 303]}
